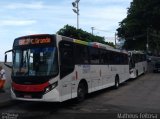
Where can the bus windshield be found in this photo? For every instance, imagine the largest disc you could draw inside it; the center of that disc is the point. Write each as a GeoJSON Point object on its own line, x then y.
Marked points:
{"type": "Point", "coordinates": [40, 61]}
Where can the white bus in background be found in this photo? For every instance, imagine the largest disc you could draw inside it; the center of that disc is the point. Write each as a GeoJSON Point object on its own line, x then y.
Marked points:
{"type": "Point", "coordinates": [55, 68]}
{"type": "Point", "coordinates": [137, 63]}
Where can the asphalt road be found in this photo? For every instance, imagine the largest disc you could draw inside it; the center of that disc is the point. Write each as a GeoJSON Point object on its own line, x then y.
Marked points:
{"type": "Point", "coordinates": [141, 96]}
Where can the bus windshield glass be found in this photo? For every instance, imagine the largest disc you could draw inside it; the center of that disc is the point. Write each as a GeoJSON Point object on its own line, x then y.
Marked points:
{"type": "Point", "coordinates": [40, 61]}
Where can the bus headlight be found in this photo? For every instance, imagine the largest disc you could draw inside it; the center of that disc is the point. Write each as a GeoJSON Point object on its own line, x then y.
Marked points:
{"type": "Point", "coordinates": [50, 87]}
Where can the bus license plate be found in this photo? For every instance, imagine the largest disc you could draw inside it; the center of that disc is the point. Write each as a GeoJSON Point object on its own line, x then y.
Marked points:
{"type": "Point", "coordinates": [27, 96]}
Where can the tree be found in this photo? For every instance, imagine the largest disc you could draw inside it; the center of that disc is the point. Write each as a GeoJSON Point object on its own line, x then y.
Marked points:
{"type": "Point", "coordinates": [72, 32]}
{"type": "Point", "coordinates": [141, 16]}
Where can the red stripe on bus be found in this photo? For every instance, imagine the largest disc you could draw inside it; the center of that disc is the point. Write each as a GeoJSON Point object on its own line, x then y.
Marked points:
{"type": "Point", "coordinates": [30, 88]}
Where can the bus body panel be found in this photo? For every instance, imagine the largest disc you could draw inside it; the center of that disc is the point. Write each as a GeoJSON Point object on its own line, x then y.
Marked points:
{"type": "Point", "coordinates": [66, 87]}
{"type": "Point", "coordinates": [98, 76]}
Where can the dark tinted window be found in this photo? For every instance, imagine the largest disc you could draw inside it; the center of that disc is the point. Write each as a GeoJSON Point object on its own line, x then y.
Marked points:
{"type": "Point", "coordinates": [125, 59]}
{"type": "Point", "coordinates": [81, 54]}
{"type": "Point", "coordinates": [66, 58]}
{"type": "Point", "coordinates": [110, 57]}
{"type": "Point", "coordinates": [104, 57]}
{"type": "Point", "coordinates": [117, 58]}
{"type": "Point", "coordinates": [139, 57]}
{"type": "Point", "coordinates": [94, 55]}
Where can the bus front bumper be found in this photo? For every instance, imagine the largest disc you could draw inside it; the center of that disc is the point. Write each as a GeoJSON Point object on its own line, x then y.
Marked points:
{"type": "Point", "coordinates": [52, 96]}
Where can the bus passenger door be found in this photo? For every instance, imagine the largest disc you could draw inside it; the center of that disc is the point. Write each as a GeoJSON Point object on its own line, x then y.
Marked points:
{"type": "Point", "coordinates": [66, 68]}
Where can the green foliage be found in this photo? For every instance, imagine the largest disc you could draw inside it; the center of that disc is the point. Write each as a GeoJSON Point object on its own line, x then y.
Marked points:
{"type": "Point", "coordinates": [142, 15]}
{"type": "Point", "coordinates": [72, 32]}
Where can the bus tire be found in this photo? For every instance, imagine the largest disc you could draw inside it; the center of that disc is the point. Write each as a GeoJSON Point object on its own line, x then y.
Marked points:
{"type": "Point", "coordinates": [81, 92]}
{"type": "Point", "coordinates": [116, 82]}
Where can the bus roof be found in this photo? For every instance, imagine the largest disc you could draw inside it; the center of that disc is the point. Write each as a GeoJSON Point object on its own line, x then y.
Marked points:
{"type": "Point", "coordinates": [136, 52]}
{"type": "Point", "coordinates": [94, 44]}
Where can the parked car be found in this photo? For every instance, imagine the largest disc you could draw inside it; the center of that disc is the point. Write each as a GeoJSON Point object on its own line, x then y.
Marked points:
{"type": "Point", "coordinates": [156, 67]}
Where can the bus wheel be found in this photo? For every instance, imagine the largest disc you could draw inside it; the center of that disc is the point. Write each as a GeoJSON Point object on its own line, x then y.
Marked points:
{"type": "Point", "coordinates": [81, 92]}
{"type": "Point", "coordinates": [116, 82]}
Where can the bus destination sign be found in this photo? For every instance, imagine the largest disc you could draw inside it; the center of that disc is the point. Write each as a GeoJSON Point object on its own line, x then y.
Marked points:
{"type": "Point", "coordinates": [33, 41]}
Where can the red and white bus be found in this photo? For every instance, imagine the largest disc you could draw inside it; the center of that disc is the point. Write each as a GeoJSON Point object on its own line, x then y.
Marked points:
{"type": "Point", "coordinates": [55, 68]}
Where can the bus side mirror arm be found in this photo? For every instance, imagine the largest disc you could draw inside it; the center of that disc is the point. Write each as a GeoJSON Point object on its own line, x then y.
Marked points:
{"type": "Point", "coordinates": [5, 60]}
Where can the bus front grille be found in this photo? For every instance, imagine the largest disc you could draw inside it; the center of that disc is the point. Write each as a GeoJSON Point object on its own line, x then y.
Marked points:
{"type": "Point", "coordinates": [32, 95]}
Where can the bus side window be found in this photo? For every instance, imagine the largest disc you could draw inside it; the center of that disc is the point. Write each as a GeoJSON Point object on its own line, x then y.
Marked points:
{"type": "Point", "coordinates": [81, 55]}
{"type": "Point", "coordinates": [94, 55]}
{"type": "Point", "coordinates": [103, 57]}
{"type": "Point", "coordinates": [66, 58]}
